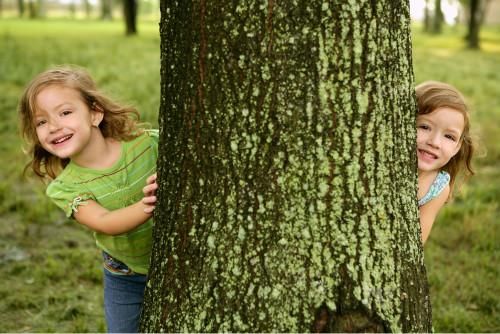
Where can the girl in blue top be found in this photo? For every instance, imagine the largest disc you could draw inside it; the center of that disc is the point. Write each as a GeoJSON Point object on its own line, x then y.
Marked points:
{"type": "Point", "coordinates": [444, 147]}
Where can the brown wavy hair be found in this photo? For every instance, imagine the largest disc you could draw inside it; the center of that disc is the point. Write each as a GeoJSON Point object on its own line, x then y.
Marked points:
{"type": "Point", "coordinates": [432, 95]}
{"type": "Point", "coordinates": [120, 122]}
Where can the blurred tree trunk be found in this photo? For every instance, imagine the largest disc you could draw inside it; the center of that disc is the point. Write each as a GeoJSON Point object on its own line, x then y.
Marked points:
{"type": "Point", "coordinates": [437, 20]}
{"type": "Point", "coordinates": [287, 175]}
{"type": "Point", "coordinates": [477, 12]}
{"type": "Point", "coordinates": [41, 9]}
{"type": "Point", "coordinates": [33, 11]}
{"type": "Point", "coordinates": [20, 7]}
{"type": "Point", "coordinates": [130, 15]}
{"type": "Point", "coordinates": [88, 8]}
{"type": "Point", "coordinates": [473, 33]}
{"type": "Point", "coordinates": [106, 9]}
{"type": "Point", "coordinates": [72, 9]}
{"type": "Point", "coordinates": [427, 17]}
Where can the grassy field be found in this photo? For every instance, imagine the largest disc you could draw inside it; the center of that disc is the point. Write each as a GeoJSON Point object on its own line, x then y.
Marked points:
{"type": "Point", "coordinates": [50, 267]}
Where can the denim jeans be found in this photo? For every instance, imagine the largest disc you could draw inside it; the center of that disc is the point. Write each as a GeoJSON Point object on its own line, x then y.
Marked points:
{"type": "Point", "coordinates": [123, 296]}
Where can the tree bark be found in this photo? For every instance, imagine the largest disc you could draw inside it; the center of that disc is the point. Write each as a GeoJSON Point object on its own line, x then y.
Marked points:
{"type": "Point", "coordinates": [287, 170]}
{"type": "Point", "coordinates": [130, 15]}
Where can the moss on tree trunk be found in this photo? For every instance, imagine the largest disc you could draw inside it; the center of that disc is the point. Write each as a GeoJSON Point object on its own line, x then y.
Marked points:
{"type": "Point", "coordinates": [287, 197]}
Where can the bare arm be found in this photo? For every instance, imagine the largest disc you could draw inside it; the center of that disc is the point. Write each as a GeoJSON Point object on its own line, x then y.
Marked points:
{"type": "Point", "coordinates": [113, 222]}
{"type": "Point", "coordinates": [429, 211]}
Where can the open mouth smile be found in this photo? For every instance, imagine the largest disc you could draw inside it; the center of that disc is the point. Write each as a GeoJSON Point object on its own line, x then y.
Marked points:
{"type": "Point", "coordinates": [61, 140]}
{"type": "Point", "coordinates": [427, 155]}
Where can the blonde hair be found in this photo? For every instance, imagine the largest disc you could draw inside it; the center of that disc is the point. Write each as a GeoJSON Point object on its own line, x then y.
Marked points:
{"type": "Point", "coordinates": [432, 95]}
{"type": "Point", "coordinates": [119, 122]}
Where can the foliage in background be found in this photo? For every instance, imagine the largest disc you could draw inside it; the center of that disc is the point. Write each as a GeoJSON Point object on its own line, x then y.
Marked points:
{"type": "Point", "coordinates": [50, 267]}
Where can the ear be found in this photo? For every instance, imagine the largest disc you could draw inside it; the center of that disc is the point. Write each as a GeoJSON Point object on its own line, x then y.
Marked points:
{"type": "Point", "coordinates": [97, 115]}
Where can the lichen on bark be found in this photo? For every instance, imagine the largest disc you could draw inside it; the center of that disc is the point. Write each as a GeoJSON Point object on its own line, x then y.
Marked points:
{"type": "Point", "coordinates": [287, 197]}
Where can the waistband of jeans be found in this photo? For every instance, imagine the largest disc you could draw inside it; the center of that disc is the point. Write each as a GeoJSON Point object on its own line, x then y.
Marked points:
{"type": "Point", "coordinates": [115, 266]}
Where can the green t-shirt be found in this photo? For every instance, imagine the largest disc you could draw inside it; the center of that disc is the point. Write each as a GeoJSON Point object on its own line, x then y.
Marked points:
{"type": "Point", "coordinates": [114, 188]}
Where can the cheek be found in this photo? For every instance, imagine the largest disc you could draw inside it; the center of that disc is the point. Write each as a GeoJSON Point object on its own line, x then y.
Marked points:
{"type": "Point", "coordinates": [420, 136]}
{"type": "Point", "coordinates": [39, 132]}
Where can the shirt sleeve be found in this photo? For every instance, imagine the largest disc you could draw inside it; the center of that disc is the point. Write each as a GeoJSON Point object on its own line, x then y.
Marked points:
{"type": "Point", "coordinates": [154, 134]}
{"type": "Point", "coordinates": [68, 197]}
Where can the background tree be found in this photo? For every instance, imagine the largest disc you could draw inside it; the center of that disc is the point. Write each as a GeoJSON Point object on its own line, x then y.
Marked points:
{"type": "Point", "coordinates": [33, 9]}
{"type": "Point", "coordinates": [20, 7]}
{"type": "Point", "coordinates": [438, 18]}
{"type": "Point", "coordinates": [287, 173]}
{"type": "Point", "coordinates": [427, 16]}
{"type": "Point", "coordinates": [476, 12]}
{"type": "Point", "coordinates": [130, 16]}
{"type": "Point", "coordinates": [88, 8]}
{"type": "Point", "coordinates": [106, 9]}
{"type": "Point", "coordinates": [474, 24]}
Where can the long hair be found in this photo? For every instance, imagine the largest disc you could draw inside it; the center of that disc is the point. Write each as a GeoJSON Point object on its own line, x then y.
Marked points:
{"type": "Point", "coordinates": [120, 122]}
{"type": "Point", "coordinates": [432, 95]}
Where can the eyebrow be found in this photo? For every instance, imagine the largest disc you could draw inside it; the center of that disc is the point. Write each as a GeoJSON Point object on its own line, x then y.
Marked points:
{"type": "Point", "coordinates": [59, 106]}
{"type": "Point", "coordinates": [427, 119]}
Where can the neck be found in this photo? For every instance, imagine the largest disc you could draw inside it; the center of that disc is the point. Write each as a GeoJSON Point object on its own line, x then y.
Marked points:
{"type": "Point", "coordinates": [100, 152]}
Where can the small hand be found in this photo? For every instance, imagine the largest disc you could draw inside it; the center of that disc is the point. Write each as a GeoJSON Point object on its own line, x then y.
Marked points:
{"type": "Point", "coordinates": [150, 193]}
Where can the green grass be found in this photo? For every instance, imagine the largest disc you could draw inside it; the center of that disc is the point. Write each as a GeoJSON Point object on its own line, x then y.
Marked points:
{"type": "Point", "coordinates": [51, 269]}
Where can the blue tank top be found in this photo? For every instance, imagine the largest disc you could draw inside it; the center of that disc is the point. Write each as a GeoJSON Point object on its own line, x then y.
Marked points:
{"type": "Point", "coordinates": [440, 182]}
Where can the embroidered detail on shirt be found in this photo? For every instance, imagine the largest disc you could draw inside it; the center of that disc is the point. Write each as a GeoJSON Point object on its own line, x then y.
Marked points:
{"type": "Point", "coordinates": [77, 202]}
{"type": "Point", "coordinates": [440, 182]}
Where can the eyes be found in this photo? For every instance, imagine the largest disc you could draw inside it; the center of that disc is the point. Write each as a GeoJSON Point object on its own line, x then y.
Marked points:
{"type": "Point", "coordinates": [40, 121]}
{"type": "Point", "coordinates": [426, 127]}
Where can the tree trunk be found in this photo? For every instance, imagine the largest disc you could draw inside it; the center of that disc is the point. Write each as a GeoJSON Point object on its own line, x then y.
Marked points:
{"type": "Point", "coordinates": [438, 18]}
{"type": "Point", "coordinates": [130, 15]}
{"type": "Point", "coordinates": [106, 10]}
{"type": "Point", "coordinates": [474, 24]}
{"type": "Point", "coordinates": [88, 8]}
{"type": "Point", "coordinates": [287, 170]}
{"type": "Point", "coordinates": [20, 7]}
{"type": "Point", "coordinates": [33, 11]}
{"type": "Point", "coordinates": [427, 17]}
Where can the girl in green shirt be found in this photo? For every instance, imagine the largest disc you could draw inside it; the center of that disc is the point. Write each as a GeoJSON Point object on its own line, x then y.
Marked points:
{"type": "Point", "coordinates": [97, 160]}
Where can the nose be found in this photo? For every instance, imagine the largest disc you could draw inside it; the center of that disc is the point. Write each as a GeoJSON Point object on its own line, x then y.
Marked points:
{"type": "Point", "coordinates": [53, 125]}
{"type": "Point", "coordinates": [434, 140]}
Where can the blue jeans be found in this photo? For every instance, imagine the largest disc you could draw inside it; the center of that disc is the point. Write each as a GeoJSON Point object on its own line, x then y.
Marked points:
{"type": "Point", "coordinates": [123, 296]}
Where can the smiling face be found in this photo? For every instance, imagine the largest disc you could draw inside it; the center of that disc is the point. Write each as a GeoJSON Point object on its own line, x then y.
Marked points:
{"type": "Point", "coordinates": [64, 123]}
{"type": "Point", "coordinates": [439, 137]}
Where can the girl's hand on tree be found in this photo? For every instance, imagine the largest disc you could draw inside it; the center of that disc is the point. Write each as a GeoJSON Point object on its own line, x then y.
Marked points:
{"type": "Point", "coordinates": [150, 193]}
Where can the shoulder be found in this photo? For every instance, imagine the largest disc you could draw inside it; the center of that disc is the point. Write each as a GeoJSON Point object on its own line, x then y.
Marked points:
{"type": "Point", "coordinates": [443, 178]}
{"type": "Point", "coordinates": [67, 193]}
{"type": "Point", "coordinates": [63, 181]}
{"type": "Point", "coordinates": [439, 200]}
{"type": "Point", "coordinates": [154, 133]}
{"type": "Point", "coordinates": [145, 136]}
{"type": "Point", "coordinates": [437, 187]}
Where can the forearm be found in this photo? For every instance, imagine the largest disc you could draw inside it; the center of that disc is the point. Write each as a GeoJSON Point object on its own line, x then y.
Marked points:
{"type": "Point", "coordinates": [113, 222]}
{"type": "Point", "coordinates": [124, 220]}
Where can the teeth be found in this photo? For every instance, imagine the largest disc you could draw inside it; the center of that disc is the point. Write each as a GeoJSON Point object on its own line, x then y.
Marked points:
{"type": "Point", "coordinates": [60, 140]}
{"type": "Point", "coordinates": [428, 154]}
